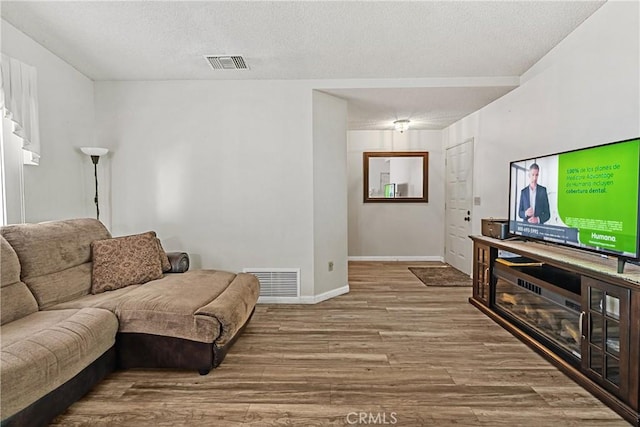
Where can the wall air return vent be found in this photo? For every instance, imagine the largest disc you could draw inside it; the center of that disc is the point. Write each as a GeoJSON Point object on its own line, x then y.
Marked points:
{"type": "Point", "coordinates": [227, 62]}
{"type": "Point", "coordinates": [277, 284]}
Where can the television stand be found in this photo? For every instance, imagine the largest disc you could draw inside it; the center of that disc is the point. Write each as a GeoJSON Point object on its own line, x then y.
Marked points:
{"type": "Point", "coordinates": [577, 310]}
{"type": "Point", "coordinates": [622, 262]}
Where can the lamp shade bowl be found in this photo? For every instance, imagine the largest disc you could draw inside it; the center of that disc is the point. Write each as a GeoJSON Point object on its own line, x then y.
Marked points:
{"type": "Point", "coordinates": [94, 151]}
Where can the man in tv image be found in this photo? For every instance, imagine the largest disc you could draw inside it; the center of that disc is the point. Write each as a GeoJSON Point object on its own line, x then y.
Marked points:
{"type": "Point", "coordinates": [534, 202]}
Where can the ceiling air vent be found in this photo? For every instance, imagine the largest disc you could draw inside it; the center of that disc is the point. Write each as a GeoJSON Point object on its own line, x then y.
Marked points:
{"type": "Point", "coordinates": [227, 62]}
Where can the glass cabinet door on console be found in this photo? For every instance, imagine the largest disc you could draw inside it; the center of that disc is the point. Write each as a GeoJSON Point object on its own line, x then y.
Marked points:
{"type": "Point", "coordinates": [605, 341]}
{"type": "Point", "coordinates": [482, 272]}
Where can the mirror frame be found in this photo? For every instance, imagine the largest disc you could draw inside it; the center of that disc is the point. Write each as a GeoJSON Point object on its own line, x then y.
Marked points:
{"type": "Point", "coordinates": [425, 180]}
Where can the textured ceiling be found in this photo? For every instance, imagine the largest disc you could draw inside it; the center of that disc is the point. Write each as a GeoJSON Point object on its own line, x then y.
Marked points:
{"type": "Point", "coordinates": [426, 108]}
{"type": "Point", "coordinates": [160, 40]}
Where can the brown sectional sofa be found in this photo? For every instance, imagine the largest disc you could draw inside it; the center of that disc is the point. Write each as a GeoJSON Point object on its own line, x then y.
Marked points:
{"type": "Point", "coordinates": [58, 339]}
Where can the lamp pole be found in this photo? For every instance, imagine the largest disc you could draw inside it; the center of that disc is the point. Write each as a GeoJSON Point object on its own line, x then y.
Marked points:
{"type": "Point", "coordinates": [95, 153]}
{"type": "Point", "coordinates": [95, 160]}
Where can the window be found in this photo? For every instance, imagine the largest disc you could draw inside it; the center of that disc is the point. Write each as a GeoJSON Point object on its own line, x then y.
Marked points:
{"type": "Point", "coordinates": [12, 159]}
{"type": "Point", "coordinates": [20, 141]}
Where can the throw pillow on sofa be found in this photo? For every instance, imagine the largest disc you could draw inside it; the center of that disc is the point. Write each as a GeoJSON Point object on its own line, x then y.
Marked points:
{"type": "Point", "coordinates": [164, 259]}
{"type": "Point", "coordinates": [124, 261]}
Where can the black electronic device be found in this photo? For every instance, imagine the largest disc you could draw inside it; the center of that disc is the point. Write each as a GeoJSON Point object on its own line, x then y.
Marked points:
{"type": "Point", "coordinates": [496, 228]}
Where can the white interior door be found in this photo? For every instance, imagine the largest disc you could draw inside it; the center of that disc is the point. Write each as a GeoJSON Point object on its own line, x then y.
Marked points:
{"type": "Point", "coordinates": [459, 194]}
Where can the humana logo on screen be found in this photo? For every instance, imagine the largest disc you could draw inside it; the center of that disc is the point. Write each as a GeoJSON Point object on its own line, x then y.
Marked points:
{"type": "Point", "coordinates": [603, 237]}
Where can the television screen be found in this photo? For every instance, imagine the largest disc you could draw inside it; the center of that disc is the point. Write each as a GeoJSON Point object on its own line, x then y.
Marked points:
{"type": "Point", "coordinates": [586, 198]}
{"type": "Point", "coordinates": [389, 190]}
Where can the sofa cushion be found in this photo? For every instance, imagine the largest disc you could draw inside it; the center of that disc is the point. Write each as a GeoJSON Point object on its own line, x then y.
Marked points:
{"type": "Point", "coordinates": [50, 247]}
{"type": "Point", "coordinates": [168, 306]}
{"type": "Point", "coordinates": [199, 305]}
{"type": "Point", "coordinates": [45, 349]}
{"type": "Point", "coordinates": [9, 264]}
{"type": "Point", "coordinates": [124, 261]}
{"type": "Point", "coordinates": [55, 257]}
{"type": "Point", "coordinates": [16, 300]}
{"type": "Point", "coordinates": [107, 300]}
{"type": "Point", "coordinates": [66, 285]}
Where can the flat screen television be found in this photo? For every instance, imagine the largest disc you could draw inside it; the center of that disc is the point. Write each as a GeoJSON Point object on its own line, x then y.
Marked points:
{"type": "Point", "coordinates": [585, 198]}
{"type": "Point", "coordinates": [389, 190]}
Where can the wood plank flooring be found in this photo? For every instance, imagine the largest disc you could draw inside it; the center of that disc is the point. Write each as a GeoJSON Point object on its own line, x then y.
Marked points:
{"type": "Point", "coordinates": [392, 351]}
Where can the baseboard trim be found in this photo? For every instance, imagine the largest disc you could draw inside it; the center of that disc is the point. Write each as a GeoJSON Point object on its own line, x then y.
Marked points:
{"type": "Point", "coordinates": [326, 295]}
{"type": "Point", "coordinates": [313, 299]}
{"type": "Point", "coordinates": [396, 258]}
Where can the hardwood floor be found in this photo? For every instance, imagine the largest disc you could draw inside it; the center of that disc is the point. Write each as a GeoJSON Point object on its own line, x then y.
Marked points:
{"type": "Point", "coordinates": [392, 351]}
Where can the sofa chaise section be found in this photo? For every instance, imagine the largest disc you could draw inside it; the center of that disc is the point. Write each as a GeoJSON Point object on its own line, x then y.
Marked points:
{"type": "Point", "coordinates": [203, 311]}
{"type": "Point", "coordinates": [187, 320]}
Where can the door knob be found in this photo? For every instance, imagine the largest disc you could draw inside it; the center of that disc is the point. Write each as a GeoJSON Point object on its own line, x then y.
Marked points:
{"type": "Point", "coordinates": [467, 218]}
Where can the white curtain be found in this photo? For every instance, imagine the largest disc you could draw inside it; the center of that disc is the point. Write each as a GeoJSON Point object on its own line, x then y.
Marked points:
{"type": "Point", "coordinates": [19, 102]}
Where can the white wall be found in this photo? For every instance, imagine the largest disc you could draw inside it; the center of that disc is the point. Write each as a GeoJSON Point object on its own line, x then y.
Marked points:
{"type": "Point", "coordinates": [220, 169]}
{"type": "Point", "coordinates": [585, 92]}
{"type": "Point", "coordinates": [396, 230]}
{"type": "Point", "coordinates": [62, 185]}
{"type": "Point", "coordinates": [329, 193]}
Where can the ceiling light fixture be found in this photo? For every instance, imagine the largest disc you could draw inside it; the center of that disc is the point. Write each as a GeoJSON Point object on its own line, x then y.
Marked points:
{"type": "Point", "coordinates": [401, 125]}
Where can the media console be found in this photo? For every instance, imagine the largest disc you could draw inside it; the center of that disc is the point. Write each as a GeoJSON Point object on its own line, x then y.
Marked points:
{"type": "Point", "coordinates": [572, 307]}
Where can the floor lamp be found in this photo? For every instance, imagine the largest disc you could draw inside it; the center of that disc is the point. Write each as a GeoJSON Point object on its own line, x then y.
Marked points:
{"type": "Point", "coordinates": [95, 153]}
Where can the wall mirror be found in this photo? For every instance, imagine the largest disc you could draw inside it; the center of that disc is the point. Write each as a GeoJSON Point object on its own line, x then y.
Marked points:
{"type": "Point", "coordinates": [395, 176]}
